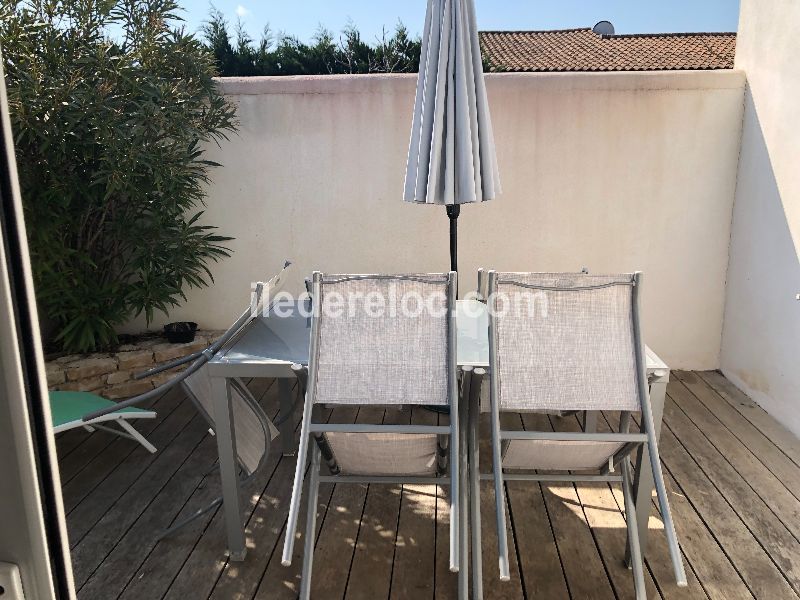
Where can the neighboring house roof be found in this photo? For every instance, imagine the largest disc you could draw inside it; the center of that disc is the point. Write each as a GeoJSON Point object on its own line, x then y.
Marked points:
{"type": "Point", "coordinates": [584, 50]}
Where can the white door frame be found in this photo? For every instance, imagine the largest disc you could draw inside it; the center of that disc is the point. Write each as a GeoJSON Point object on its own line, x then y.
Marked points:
{"type": "Point", "coordinates": [33, 534]}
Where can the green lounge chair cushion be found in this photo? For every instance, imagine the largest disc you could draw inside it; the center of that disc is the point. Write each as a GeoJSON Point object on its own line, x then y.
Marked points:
{"type": "Point", "coordinates": [68, 407]}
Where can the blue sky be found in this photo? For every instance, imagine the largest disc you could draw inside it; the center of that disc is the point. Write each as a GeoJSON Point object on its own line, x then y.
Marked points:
{"type": "Point", "coordinates": [302, 17]}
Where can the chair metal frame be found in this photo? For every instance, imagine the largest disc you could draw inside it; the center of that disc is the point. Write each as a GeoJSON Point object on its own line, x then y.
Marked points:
{"type": "Point", "coordinates": [311, 431]}
{"type": "Point", "coordinates": [128, 431]}
{"type": "Point", "coordinates": [264, 295]}
{"type": "Point", "coordinates": [245, 476]}
{"type": "Point", "coordinates": [644, 439]}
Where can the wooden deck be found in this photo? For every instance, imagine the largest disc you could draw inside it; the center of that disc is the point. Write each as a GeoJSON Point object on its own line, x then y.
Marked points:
{"type": "Point", "coordinates": [733, 474]}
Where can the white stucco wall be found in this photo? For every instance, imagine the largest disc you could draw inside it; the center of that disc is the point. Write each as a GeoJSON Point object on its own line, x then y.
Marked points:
{"type": "Point", "coordinates": [761, 341]}
{"type": "Point", "coordinates": [616, 172]}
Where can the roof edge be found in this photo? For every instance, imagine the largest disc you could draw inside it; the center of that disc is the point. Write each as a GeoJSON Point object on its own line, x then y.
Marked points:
{"type": "Point", "coordinates": [616, 35]}
{"type": "Point", "coordinates": [675, 34]}
{"type": "Point", "coordinates": [571, 29]}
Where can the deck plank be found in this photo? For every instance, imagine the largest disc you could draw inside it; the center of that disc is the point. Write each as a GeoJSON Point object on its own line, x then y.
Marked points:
{"type": "Point", "coordinates": [68, 441]}
{"type": "Point", "coordinates": [143, 528]}
{"type": "Point", "coordinates": [722, 422]}
{"type": "Point", "coordinates": [704, 555]}
{"type": "Point", "coordinates": [89, 554]}
{"type": "Point", "coordinates": [608, 524]}
{"type": "Point", "coordinates": [108, 461]}
{"type": "Point", "coordinates": [95, 445]}
{"type": "Point", "coordinates": [415, 546]}
{"type": "Point", "coordinates": [277, 581]}
{"type": "Point", "coordinates": [263, 531]}
{"type": "Point", "coordinates": [769, 427]}
{"type": "Point", "coordinates": [659, 567]}
{"type": "Point", "coordinates": [732, 476]}
{"type": "Point", "coordinates": [333, 552]}
{"type": "Point", "coordinates": [755, 509]}
{"type": "Point", "coordinates": [264, 512]}
{"type": "Point", "coordinates": [719, 578]}
{"type": "Point", "coordinates": [157, 571]}
{"type": "Point", "coordinates": [580, 558]}
{"type": "Point", "coordinates": [371, 569]}
{"type": "Point", "coordinates": [755, 568]}
{"type": "Point", "coordinates": [101, 443]}
{"type": "Point", "coordinates": [539, 558]}
{"type": "Point", "coordinates": [121, 563]}
{"type": "Point", "coordinates": [83, 517]}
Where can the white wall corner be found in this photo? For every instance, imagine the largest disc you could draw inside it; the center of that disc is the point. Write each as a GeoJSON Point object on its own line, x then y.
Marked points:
{"type": "Point", "coordinates": [761, 327]}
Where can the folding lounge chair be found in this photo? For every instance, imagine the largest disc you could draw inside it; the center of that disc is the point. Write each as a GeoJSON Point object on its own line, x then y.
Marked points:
{"type": "Point", "coordinates": [359, 358]}
{"type": "Point", "coordinates": [253, 429]}
{"type": "Point", "coordinates": [69, 408]}
{"type": "Point", "coordinates": [570, 342]}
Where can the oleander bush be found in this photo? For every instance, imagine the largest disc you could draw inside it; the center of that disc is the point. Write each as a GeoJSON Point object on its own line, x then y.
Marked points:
{"type": "Point", "coordinates": [112, 103]}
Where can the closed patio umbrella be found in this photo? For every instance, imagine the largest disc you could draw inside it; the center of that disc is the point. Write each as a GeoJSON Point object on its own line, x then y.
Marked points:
{"type": "Point", "coordinates": [451, 157]}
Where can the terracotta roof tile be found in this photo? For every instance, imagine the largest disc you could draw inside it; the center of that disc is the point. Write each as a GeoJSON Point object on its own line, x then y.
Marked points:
{"type": "Point", "coordinates": [584, 50]}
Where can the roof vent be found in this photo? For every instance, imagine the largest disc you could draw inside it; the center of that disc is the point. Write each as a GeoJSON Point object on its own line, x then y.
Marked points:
{"type": "Point", "coordinates": [603, 28]}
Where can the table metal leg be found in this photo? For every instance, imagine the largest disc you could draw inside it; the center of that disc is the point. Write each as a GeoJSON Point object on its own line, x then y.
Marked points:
{"type": "Point", "coordinates": [643, 482]}
{"type": "Point", "coordinates": [463, 503]}
{"type": "Point", "coordinates": [473, 421]}
{"type": "Point", "coordinates": [287, 407]}
{"type": "Point", "coordinates": [228, 467]}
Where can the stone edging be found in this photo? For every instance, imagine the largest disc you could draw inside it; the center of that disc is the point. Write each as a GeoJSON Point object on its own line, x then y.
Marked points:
{"type": "Point", "coordinates": [111, 374]}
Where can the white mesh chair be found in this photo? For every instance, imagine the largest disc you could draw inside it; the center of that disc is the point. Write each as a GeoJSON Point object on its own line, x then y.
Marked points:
{"type": "Point", "coordinates": [404, 354]}
{"type": "Point", "coordinates": [570, 342]}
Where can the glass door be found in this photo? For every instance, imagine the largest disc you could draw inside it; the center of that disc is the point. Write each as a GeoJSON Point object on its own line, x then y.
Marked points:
{"type": "Point", "coordinates": [34, 554]}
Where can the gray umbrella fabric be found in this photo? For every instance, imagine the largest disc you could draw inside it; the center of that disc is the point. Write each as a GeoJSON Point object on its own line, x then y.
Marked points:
{"type": "Point", "coordinates": [451, 157]}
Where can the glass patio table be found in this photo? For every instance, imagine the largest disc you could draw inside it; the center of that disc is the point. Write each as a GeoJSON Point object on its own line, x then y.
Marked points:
{"type": "Point", "coordinates": [270, 345]}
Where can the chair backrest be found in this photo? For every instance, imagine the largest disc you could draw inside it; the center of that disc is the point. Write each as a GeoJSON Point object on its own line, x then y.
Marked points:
{"type": "Point", "coordinates": [252, 427]}
{"type": "Point", "coordinates": [564, 341]}
{"type": "Point", "coordinates": [383, 339]}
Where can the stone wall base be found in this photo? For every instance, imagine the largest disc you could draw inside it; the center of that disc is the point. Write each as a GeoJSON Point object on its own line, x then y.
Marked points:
{"type": "Point", "coordinates": [111, 374]}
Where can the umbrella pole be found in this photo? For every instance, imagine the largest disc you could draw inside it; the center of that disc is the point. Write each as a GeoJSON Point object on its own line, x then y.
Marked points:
{"type": "Point", "coordinates": [453, 210]}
